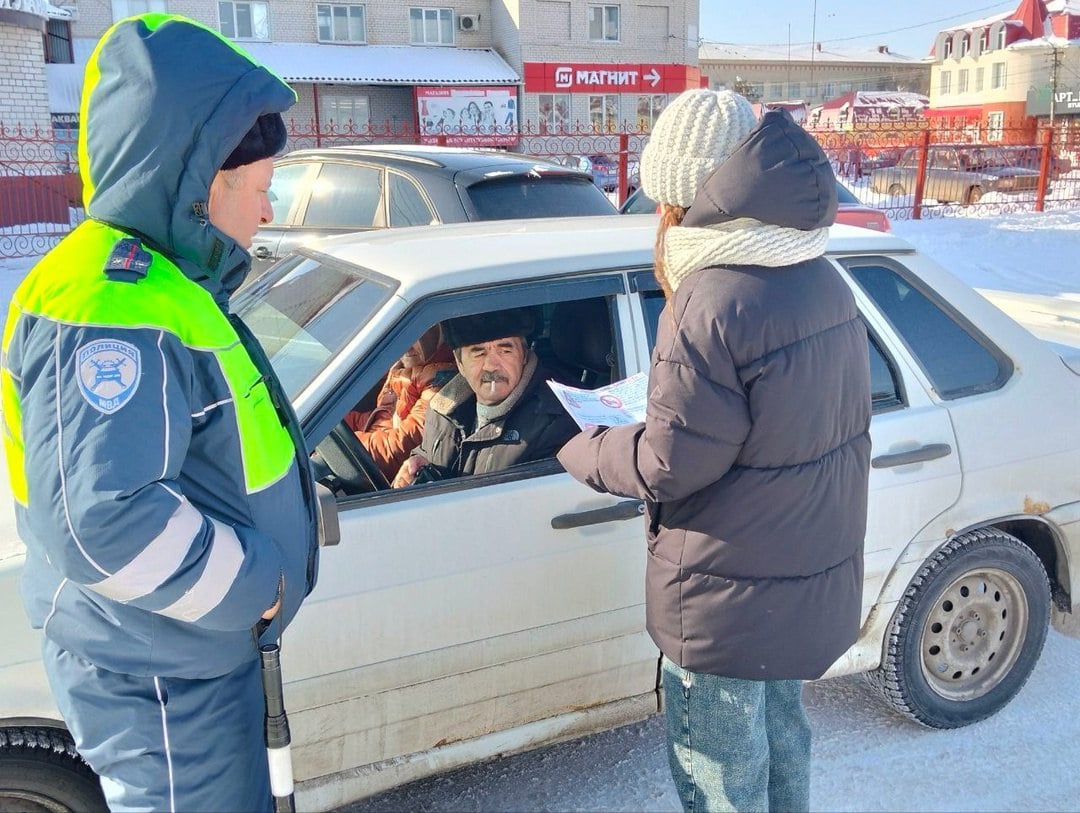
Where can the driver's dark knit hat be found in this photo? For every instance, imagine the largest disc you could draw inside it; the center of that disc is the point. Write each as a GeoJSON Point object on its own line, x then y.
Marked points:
{"type": "Point", "coordinates": [265, 139]}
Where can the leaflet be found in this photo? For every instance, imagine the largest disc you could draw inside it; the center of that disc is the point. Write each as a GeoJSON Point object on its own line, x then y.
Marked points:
{"type": "Point", "coordinates": [614, 405]}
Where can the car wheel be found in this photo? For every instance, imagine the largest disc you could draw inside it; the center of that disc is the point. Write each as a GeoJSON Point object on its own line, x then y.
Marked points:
{"type": "Point", "coordinates": [974, 195]}
{"type": "Point", "coordinates": [41, 772]}
{"type": "Point", "coordinates": [967, 632]}
{"type": "Point", "coordinates": [896, 190]}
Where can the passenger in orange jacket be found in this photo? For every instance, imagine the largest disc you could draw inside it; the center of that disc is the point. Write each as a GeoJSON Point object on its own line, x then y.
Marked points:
{"type": "Point", "coordinates": [396, 425]}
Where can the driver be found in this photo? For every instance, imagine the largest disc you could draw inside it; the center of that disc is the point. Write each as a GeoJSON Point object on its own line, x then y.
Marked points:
{"type": "Point", "coordinates": [497, 411]}
{"type": "Point", "coordinates": [395, 426]}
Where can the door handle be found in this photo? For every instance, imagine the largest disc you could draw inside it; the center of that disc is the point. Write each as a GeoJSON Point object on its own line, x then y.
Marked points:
{"type": "Point", "coordinates": [628, 509]}
{"type": "Point", "coordinates": [262, 253]}
{"type": "Point", "coordinates": [931, 451]}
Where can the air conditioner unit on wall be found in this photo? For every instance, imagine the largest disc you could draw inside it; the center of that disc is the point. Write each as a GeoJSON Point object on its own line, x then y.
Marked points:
{"type": "Point", "coordinates": [468, 22]}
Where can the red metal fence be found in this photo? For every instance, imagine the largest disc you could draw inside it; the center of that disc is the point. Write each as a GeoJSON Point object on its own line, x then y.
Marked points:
{"type": "Point", "coordinates": [930, 168]}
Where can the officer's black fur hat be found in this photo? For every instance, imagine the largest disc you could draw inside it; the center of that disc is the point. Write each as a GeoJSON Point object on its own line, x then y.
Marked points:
{"type": "Point", "coordinates": [265, 139]}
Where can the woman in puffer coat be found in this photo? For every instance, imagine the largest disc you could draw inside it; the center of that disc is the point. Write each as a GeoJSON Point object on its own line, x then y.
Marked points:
{"type": "Point", "coordinates": [754, 455]}
{"type": "Point", "coordinates": [395, 426]}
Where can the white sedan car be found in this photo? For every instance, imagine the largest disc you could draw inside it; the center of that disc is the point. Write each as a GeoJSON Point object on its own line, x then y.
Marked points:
{"type": "Point", "coordinates": [470, 617]}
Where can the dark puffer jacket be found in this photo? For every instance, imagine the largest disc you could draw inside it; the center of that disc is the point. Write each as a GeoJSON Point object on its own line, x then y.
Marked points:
{"type": "Point", "coordinates": [754, 456]}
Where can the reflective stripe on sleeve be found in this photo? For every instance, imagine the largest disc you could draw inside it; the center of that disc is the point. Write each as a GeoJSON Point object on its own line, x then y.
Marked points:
{"type": "Point", "coordinates": [157, 561]}
{"type": "Point", "coordinates": [226, 556]}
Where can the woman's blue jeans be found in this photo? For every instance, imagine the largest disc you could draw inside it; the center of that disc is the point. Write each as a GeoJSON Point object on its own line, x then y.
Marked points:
{"type": "Point", "coordinates": [737, 745]}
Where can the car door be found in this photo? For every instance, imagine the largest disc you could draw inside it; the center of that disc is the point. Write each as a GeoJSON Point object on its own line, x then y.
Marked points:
{"type": "Point", "coordinates": [341, 197]}
{"type": "Point", "coordinates": [461, 608]}
{"type": "Point", "coordinates": [288, 191]}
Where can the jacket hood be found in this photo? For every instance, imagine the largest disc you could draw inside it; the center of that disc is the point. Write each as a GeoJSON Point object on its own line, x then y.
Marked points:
{"type": "Point", "coordinates": [779, 175]}
{"type": "Point", "coordinates": [165, 101]}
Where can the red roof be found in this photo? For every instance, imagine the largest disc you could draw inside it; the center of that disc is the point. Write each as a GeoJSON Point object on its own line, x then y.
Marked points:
{"type": "Point", "coordinates": [1031, 14]}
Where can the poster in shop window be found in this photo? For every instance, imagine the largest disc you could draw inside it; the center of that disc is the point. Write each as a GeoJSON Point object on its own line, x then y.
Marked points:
{"type": "Point", "coordinates": [468, 117]}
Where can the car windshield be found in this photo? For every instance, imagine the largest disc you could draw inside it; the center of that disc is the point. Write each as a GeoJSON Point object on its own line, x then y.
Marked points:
{"type": "Point", "coordinates": [303, 312]}
{"type": "Point", "coordinates": [843, 195]}
{"type": "Point", "coordinates": [532, 196]}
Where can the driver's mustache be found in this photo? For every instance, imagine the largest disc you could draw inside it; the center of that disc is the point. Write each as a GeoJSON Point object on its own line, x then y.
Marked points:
{"type": "Point", "coordinates": [488, 376]}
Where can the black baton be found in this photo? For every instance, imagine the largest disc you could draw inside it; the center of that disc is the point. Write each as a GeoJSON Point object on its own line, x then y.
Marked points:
{"type": "Point", "coordinates": [278, 753]}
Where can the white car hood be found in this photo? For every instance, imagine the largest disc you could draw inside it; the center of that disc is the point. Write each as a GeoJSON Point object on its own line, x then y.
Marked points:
{"type": "Point", "coordinates": [1054, 319]}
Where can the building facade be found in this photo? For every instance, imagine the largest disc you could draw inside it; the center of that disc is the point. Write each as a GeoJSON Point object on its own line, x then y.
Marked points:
{"type": "Point", "coordinates": [809, 74]}
{"type": "Point", "coordinates": [1004, 76]}
{"type": "Point", "coordinates": [473, 72]}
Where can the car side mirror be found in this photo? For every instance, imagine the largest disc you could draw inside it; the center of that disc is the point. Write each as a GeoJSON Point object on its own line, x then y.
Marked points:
{"type": "Point", "coordinates": [329, 528]}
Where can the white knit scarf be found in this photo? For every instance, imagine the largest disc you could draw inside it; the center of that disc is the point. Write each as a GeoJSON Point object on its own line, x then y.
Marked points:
{"type": "Point", "coordinates": [744, 241]}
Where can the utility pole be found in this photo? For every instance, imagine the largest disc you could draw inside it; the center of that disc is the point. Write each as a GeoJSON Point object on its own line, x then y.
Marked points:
{"type": "Point", "coordinates": [813, 45]}
{"type": "Point", "coordinates": [1054, 83]}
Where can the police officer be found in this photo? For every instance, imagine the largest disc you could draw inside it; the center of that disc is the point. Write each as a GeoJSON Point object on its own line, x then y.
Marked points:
{"type": "Point", "coordinates": [161, 482]}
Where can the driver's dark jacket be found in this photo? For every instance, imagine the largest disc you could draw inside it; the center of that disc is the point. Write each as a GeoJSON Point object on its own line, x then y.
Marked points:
{"type": "Point", "coordinates": [534, 429]}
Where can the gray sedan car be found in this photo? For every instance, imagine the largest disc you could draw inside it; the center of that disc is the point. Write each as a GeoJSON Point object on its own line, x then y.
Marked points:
{"type": "Point", "coordinates": [960, 173]}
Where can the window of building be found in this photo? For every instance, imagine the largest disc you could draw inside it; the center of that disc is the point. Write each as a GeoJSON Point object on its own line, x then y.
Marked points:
{"type": "Point", "coordinates": [965, 46]}
{"type": "Point", "coordinates": [554, 110]}
{"type": "Point", "coordinates": [129, 8]}
{"type": "Point", "coordinates": [948, 47]}
{"type": "Point", "coordinates": [997, 76]}
{"type": "Point", "coordinates": [431, 26]}
{"type": "Point", "coordinates": [845, 87]}
{"type": "Point", "coordinates": [812, 90]}
{"type": "Point", "coordinates": [341, 23]}
{"type": "Point", "coordinates": [1000, 38]}
{"type": "Point", "coordinates": [776, 91]}
{"type": "Point", "coordinates": [340, 113]}
{"type": "Point", "coordinates": [984, 40]}
{"type": "Point", "coordinates": [58, 42]}
{"type": "Point", "coordinates": [979, 74]}
{"type": "Point", "coordinates": [945, 82]}
{"type": "Point", "coordinates": [648, 108]}
{"type": "Point", "coordinates": [794, 90]}
{"type": "Point", "coordinates": [604, 113]}
{"type": "Point", "coordinates": [244, 21]}
{"type": "Point", "coordinates": [995, 126]}
{"type": "Point", "coordinates": [828, 90]}
{"type": "Point", "coordinates": [962, 81]}
{"type": "Point", "coordinates": [603, 23]}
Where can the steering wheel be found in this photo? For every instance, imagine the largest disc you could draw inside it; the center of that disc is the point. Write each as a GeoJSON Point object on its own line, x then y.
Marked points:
{"type": "Point", "coordinates": [342, 459]}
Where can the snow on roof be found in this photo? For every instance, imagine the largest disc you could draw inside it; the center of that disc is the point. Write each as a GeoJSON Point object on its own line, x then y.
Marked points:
{"type": "Point", "coordinates": [382, 64]}
{"type": "Point", "coordinates": [804, 52]}
{"type": "Point", "coordinates": [1063, 6]}
{"type": "Point", "coordinates": [866, 99]}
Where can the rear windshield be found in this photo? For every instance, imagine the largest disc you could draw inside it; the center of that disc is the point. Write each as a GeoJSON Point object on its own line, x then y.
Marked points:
{"type": "Point", "coordinates": [531, 196]}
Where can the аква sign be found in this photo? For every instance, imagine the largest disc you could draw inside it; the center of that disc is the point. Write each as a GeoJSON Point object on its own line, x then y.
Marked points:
{"type": "Point", "coordinates": [582, 77]}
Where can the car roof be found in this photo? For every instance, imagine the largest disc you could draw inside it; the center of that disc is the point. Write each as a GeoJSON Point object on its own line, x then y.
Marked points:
{"type": "Point", "coordinates": [427, 260]}
{"type": "Point", "coordinates": [455, 159]}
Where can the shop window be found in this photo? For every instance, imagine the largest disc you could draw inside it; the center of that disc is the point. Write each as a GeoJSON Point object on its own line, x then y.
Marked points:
{"type": "Point", "coordinates": [604, 113]}
{"type": "Point", "coordinates": [995, 126]}
{"type": "Point", "coordinates": [648, 108]}
{"type": "Point", "coordinates": [554, 110]}
{"type": "Point", "coordinates": [344, 113]}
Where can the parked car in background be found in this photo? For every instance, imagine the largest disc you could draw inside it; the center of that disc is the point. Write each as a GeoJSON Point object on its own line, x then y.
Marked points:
{"type": "Point", "coordinates": [603, 169]}
{"type": "Point", "coordinates": [957, 173]}
{"type": "Point", "coordinates": [850, 211]}
{"type": "Point", "coordinates": [323, 192]}
{"type": "Point", "coordinates": [1031, 158]}
{"type": "Point", "coordinates": [469, 617]}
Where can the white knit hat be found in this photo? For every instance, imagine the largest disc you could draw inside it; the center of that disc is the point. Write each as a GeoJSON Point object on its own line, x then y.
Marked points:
{"type": "Point", "coordinates": [691, 138]}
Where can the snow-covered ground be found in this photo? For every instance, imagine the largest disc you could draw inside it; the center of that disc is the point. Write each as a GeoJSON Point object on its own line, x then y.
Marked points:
{"type": "Point", "coordinates": [1026, 758]}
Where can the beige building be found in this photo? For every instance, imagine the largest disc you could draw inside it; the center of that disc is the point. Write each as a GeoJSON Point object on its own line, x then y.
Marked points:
{"type": "Point", "coordinates": [1000, 75]}
{"type": "Point", "coordinates": [811, 74]}
{"type": "Point", "coordinates": [481, 69]}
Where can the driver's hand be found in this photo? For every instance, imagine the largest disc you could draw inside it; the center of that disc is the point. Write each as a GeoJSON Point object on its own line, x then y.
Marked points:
{"type": "Point", "coordinates": [407, 473]}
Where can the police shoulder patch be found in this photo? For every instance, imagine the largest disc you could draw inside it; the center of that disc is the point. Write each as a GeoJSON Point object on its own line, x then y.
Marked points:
{"type": "Point", "coordinates": [108, 371]}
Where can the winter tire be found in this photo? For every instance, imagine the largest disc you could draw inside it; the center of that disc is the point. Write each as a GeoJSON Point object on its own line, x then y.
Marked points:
{"type": "Point", "coordinates": [41, 772]}
{"type": "Point", "coordinates": [974, 195]}
{"type": "Point", "coordinates": [897, 190]}
{"type": "Point", "coordinates": [968, 631]}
